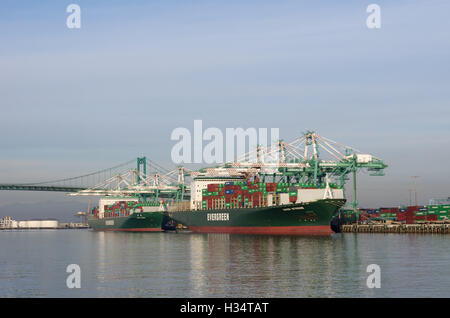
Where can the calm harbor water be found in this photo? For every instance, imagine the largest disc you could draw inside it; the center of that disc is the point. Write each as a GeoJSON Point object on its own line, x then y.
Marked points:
{"type": "Point", "coordinates": [33, 264]}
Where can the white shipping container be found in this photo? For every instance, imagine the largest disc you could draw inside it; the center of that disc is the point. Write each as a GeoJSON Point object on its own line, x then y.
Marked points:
{"type": "Point", "coordinates": [284, 198]}
{"type": "Point", "coordinates": [269, 199]}
{"type": "Point", "coordinates": [338, 193]}
{"type": "Point", "coordinates": [309, 195]}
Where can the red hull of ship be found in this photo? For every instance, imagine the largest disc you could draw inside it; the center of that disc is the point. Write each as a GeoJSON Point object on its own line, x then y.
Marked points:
{"type": "Point", "coordinates": [319, 230]}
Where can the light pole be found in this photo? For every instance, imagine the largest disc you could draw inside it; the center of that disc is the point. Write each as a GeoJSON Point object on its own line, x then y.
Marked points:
{"type": "Point", "coordinates": [415, 189]}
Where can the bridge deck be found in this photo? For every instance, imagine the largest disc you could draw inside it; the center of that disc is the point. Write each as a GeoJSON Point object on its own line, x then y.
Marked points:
{"type": "Point", "coordinates": [18, 187]}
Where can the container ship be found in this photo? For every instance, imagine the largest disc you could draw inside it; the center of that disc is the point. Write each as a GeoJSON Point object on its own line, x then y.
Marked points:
{"type": "Point", "coordinates": [237, 206]}
{"type": "Point", "coordinates": [128, 214]}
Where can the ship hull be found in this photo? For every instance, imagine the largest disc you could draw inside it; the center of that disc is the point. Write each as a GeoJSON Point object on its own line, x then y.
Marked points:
{"type": "Point", "coordinates": [311, 218]}
{"type": "Point", "coordinates": [136, 222]}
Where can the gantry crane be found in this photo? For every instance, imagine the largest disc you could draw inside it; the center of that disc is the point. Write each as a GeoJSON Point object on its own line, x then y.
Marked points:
{"type": "Point", "coordinates": [300, 161]}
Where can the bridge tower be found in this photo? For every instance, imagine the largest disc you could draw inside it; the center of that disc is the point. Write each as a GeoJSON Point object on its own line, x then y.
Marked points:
{"type": "Point", "coordinates": [141, 163]}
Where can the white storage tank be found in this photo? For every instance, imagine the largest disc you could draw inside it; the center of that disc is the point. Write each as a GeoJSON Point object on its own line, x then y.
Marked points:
{"type": "Point", "coordinates": [23, 224]}
{"type": "Point", "coordinates": [34, 224]}
{"type": "Point", "coordinates": [49, 224]}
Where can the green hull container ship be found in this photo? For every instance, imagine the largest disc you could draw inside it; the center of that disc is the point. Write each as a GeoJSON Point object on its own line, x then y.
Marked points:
{"type": "Point", "coordinates": [241, 207]}
{"type": "Point", "coordinates": [127, 214]}
{"type": "Point", "coordinates": [296, 219]}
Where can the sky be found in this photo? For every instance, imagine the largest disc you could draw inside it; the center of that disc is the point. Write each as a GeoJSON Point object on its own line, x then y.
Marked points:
{"type": "Point", "coordinates": [74, 101]}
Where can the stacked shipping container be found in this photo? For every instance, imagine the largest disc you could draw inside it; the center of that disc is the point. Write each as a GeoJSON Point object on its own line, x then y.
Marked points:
{"type": "Point", "coordinates": [408, 215]}
{"type": "Point", "coordinates": [440, 212]}
{"type": "Point", "coordinates": [123, 208]}
{"type": "Point", "coordinates": [236, 194]}
{"type": "Point", "coordinates": [248, 194]}
{"type": "Point", "coordinates": [388, 213]}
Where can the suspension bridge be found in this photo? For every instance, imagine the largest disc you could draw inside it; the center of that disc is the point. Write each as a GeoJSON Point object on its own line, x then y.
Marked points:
{"type": "Point", "coordinates": [145, 177]}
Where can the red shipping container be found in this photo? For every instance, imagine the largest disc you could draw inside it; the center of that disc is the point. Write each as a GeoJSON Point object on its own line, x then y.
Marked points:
{"type": "Point", "coordinates": [212, 187]}
{"type": "Point", "coordinates": [401, 215]}
{"type": "Point", "coordinates": [409, 220]}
